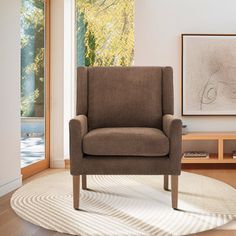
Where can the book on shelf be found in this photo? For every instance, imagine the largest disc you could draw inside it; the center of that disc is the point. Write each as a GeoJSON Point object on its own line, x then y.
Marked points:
{"type": "Point", "coordinates": [196, 154]}
{"type": "Point", "coordinates": [234, 154]}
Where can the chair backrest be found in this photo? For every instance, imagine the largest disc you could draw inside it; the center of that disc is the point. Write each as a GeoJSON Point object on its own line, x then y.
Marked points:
{"type": "Point", "coordinates": [125, 96]}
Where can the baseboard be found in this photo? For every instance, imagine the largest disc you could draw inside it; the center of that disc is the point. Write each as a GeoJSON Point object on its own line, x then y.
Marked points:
{"type": "Point", "coordinates": [10, 185]}
{"type": "Point", "coordinates": [67, 163]}
{"type": "Point", "coordinates": [57, 164]}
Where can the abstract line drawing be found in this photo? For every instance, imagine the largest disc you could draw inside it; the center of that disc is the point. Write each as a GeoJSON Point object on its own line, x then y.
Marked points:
{"type": "Point", "coordinates": [225, 77]}
{"type": "Point", "coordinates": [209, 74]}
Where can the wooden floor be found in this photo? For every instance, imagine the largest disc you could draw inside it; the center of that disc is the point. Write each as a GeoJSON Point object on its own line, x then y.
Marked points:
{"type": "Point", "coordinates": [12, 225]}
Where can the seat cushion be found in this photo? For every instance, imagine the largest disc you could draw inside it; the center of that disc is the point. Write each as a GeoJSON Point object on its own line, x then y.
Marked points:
{"type": "Point", "coordinates": [130, 141]}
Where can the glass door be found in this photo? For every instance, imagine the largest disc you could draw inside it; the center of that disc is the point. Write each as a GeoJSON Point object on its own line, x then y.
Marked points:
{"type": "Point", "coordinates": [34, 86]}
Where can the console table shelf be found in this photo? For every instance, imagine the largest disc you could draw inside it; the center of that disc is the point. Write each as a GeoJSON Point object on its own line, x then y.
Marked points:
{"type": "Point", "coordinates": [220, 137]}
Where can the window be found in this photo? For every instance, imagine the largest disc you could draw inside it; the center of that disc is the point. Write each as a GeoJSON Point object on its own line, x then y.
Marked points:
{"type": "Point", "coordinates": [105, 32]}
{"type": "Point", "coordinates": [33, 77]}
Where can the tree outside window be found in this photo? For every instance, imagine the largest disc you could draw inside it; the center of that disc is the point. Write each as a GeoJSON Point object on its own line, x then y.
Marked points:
{"type": "Point", "coordinates": [105, 32]}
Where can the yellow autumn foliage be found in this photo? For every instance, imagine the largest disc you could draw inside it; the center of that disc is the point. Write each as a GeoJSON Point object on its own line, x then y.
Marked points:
{"type": "Point", "coordinates": [109, 31]}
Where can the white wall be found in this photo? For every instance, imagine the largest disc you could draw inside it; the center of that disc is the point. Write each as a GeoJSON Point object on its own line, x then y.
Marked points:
{"type": "Point", "coordinates": [10, 177]}
{"type": "Point", "coordinates": [69, 70]}
{"type": "Point", "coordinates": [57, 84]}
{"type": "Point", "coordinates": [158, 28]}
{"type": "Point", "coordinates": [61, 79]}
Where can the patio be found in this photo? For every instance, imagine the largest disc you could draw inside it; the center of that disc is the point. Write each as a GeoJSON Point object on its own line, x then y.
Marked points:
{"type": "Point", "coordinates": [32, 150]}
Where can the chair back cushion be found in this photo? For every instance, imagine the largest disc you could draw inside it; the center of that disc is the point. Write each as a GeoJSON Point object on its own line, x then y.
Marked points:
{"type": "Point", "coordinates": [122, 96]}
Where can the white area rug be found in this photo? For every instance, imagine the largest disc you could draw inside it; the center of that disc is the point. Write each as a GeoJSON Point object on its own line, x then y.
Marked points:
{"type": "Point", "coordinates": [126, 205]}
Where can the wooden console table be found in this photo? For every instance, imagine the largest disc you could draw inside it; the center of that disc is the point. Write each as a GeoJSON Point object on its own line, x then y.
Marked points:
{"type": "Point", "coordinates": [220, 137]}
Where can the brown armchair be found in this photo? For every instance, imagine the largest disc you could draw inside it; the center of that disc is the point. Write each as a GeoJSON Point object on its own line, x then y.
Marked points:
{"type": "Point", "coordinates": [124, 125]}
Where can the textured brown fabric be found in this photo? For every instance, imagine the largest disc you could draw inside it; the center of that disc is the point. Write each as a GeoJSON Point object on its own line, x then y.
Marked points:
{"type": "Point", "coordinates": [82, 96]}
{"type": "Point", "coordinates": [172, 128]}
{"type": "Point", "coordinates": [124, 97]}
{"type": "Point", "coordinates": [126, 165]}
{"type": "Point", "coordinates": [126, 142]}
{"type": "Point", "coordinates": [78, 127]}
{"type": "Point", "coordinates": [168, 91]}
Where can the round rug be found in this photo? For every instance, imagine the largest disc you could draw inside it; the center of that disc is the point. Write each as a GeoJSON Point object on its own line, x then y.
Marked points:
{"type": "Point", "coordinates": [126, 205]}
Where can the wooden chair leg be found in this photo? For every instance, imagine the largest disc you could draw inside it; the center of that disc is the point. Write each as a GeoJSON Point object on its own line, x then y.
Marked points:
{"type": "Point", "coordinates": [84, 182]}
{"type": "Point", "coordinates": [76, 190]}
{"type": "Point", "coordinates": [174, 191]}
{"type": "Point", "coordinates": [166, 182]}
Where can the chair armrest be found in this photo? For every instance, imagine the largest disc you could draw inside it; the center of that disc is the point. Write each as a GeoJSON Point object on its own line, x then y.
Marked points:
{"type": "Point", "coordinates": [172, 128]}
{"type": "Point", "coordinates": [171, 125]}
{"type": "Point", "coordinates": [78, 127]}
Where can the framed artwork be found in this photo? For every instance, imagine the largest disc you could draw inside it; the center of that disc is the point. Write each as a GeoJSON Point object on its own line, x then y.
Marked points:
{"type": "Point", "coordinates": [208, 74]}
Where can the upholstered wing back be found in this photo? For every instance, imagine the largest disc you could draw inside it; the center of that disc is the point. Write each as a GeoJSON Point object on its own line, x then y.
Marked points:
{"type": "Point", "coordinates": [125, 96]}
